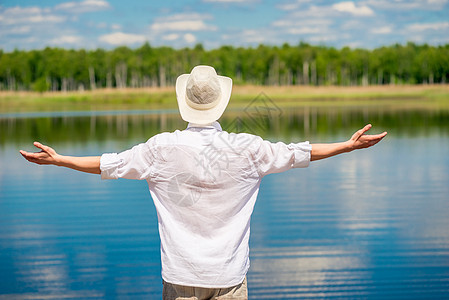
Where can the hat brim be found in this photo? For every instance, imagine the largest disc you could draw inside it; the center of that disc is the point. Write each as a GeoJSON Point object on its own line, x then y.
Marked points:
{"type": "Point", "coordinates": [205, 116]}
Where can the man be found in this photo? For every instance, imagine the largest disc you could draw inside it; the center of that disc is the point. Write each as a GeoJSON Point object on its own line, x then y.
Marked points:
{"type": "Point", "coordinates": [204, 205]}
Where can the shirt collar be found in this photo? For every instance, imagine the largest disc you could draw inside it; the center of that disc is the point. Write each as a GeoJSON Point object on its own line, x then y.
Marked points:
{"type": "Point", "coordinates": [213, 125]}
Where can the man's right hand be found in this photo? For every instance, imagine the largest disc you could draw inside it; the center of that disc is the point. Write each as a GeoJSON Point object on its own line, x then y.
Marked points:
{"type": "Point", "coordinates": [47, 156]}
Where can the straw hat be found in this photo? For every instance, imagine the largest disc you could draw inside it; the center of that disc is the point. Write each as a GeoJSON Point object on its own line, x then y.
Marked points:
{"type": "Point", "coordinates": [202, 95]}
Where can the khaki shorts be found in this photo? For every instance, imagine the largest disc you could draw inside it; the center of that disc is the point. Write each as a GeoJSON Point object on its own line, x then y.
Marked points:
{"type": "Point", "coordinates": [181, 292]}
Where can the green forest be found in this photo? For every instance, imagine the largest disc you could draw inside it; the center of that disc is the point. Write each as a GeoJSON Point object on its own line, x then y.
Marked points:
{"type": "Point", "coordinates": [57, 69]}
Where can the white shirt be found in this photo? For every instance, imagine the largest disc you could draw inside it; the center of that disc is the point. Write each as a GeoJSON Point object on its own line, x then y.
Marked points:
{"type": "Point", "coordinates": [204, 184]}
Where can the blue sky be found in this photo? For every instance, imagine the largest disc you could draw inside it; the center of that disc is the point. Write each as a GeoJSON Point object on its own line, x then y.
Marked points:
{"type": "Point", "coordinates": [107, 24]}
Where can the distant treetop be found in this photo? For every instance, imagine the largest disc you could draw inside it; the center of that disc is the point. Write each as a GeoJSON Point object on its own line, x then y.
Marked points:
{"type": "Point", "coordinates": [67, 69]}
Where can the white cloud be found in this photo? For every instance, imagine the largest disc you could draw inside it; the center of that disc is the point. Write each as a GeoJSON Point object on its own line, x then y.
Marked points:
{"type": "Point", "coordinates": [22, 40]}
{"type": "Point", "coordinates": [293, 6]}
{"type": "Point", "coordinates": [83, 6]}
{"type": "Point", "coordinates": [408, 4]}
{"type": "Point", "coordinates": [322, 38]}
{"type": "Point", "coordinates": [194, 25]}
{"type": "Point", "coordinates": [335, 23]}
{"type": "Point", "coordinates": [116, 26]}
{"type": "Point", "coordinates": [18, 10]}
{"type": "Point", "coordinates": [352, 24]}
{"type": "Point", "coordinates": [170, 37]}
{"type": "Point", "coordinates": [288, 6]}
{"type": "Point", "coordinates": [312, 21]}
{"type": "Point", "coordinates": [304, 30]}
{"type": "Point", "coordinates": [296, 21]}
{"type": "Point", "coordinates": [315, 12]}
{"type": "Point", "coordinates": [36, 27]}
{"type": "Point", "coordinates": [66, 39]}
{"type": "Point", "coordinates": [228, 1]}
{"type": "Point", "coordinates": [120, 38]}
{"type": "Point", "coordinates": [189, 38]}
{"type": "Point", "coordinates": [28, 15]}
{"type": "Point", "coordinates": [20, 30]}
{"type": "Point", "coordinates": [382, 30]}
{"type": "Point", "coordinates": [102, 25]}
{"type": "Point", "coordinates": [183, 22]}
{"type": "Point", "coordinates": [330, 24]}
{"type": "Point", "coordinates": [250, 36]}
{"type": "Point", "coordinates": [349, 6]}
{"type": "Point", "coordinates": [418, 27]}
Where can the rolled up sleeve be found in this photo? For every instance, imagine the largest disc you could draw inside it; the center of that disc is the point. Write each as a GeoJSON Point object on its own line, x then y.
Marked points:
{"type": "Point", "coordinates": [135, 163]}
{"type": "Point", "coordinates": [109, 163]}
{"type": "Point", "coordinates": [302, 154]}
{"type": "Point", "coordinates": [280, 157]}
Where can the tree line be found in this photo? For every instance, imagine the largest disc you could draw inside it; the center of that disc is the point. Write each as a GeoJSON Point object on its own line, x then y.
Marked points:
{"type": "Point", "coordinates": [57, 69]}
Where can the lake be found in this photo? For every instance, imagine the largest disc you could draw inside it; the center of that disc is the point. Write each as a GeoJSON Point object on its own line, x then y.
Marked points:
{"type": "Point", "coordinates": [370, 224]}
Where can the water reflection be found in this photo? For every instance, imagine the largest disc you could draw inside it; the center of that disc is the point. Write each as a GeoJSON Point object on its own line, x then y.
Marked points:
{"type": "Point", "coordinates": [307, 273]}
{"type": "Point", "coordinates": [294, 123]}
{"type": "Point", "coordinates": [371, 224]}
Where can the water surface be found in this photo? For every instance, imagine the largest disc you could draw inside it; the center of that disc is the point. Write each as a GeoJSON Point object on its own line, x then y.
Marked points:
{"type": "Point", "coordinates": [369, 224]}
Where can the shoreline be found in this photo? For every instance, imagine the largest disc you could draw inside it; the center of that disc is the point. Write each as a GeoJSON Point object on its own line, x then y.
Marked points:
{"type": "Point", "coordinates": [165, 98]}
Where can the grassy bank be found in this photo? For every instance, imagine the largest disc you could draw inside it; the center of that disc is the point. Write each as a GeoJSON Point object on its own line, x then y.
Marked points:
{"type": "Point", "coordinates": [165, 98]}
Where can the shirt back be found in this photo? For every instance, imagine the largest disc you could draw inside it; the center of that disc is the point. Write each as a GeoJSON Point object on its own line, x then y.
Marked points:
{"type": "Point", "coordinates": [204, 183]}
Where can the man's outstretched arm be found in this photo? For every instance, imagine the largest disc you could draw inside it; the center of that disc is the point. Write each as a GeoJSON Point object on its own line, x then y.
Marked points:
{"type": "Point", "coordinates": [359, 140]}
{"type": "Point", "coordinates": [48, 156]}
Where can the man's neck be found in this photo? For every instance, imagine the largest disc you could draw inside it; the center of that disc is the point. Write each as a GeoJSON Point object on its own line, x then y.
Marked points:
{"type": "Point", "coordinates": [212, 125]}
{"type": "Point", "coordinates": [201, 125]}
